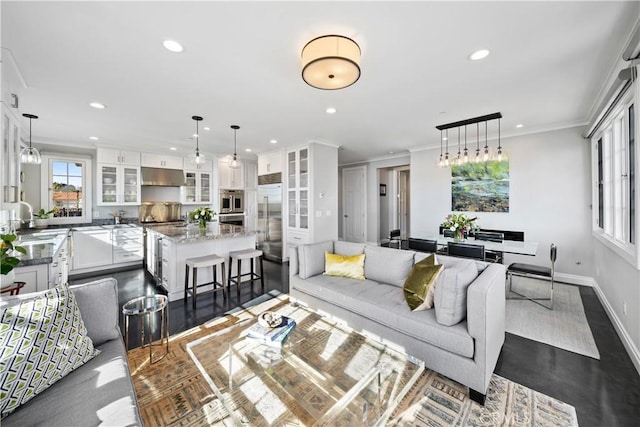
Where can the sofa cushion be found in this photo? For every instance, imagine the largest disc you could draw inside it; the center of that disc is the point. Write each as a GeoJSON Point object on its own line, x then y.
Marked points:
{"type": "Point", "coordinates": [98, 393]}
{"type": "Point", "coordinates": [311, 258]}
{"type": "Point", "coordinates": [98, 302]}
{"type": "Point", "coordinates": [385, 305]}
{"type": "Point", "coordinates": [417, 288]}
{"type": "Point", "coordinates": [41, 341]}
{"type": "Point", "coordinates": [451, 292]}
{"type": "Point", "coordinates": [348, 248]}
{"type": "Point", "coordinates": [386, 265]}
{"type": "Point", "coordinates": [351, 266]}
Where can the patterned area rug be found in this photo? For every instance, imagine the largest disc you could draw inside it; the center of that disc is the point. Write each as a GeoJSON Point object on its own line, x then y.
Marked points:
{"type": "Point", "coordinates": [172, 392]}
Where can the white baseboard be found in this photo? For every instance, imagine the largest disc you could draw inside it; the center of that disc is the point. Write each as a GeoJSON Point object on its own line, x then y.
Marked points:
{"type": "Point", "coordinates": [575, 279]}
{"type": "Point", "coordinates": [628, 343]}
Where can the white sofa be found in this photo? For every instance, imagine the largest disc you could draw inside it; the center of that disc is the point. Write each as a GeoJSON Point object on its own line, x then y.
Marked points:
{"type": "Point", "coordinates": [466, 352]}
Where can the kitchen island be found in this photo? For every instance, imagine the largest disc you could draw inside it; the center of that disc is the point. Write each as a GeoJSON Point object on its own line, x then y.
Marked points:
{"type": "Point", "coordinates": [168, 246]}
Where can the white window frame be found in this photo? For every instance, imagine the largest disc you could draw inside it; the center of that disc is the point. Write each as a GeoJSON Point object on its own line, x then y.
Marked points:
{"type": "Point", "coordinates": [614, 133]}
{"type": "Point", "coordinates": [46, 185]}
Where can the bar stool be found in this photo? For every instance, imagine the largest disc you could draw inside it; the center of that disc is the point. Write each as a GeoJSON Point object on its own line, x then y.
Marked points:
{"type": "Point", "coordinates": [200, 262]}
{"type": "Point", "coordinates": [250, 254]}
{"type": "Point", "coordinates": [13, 289]}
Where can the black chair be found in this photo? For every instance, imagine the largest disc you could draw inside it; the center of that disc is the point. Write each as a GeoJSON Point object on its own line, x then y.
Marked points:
{"type": "Point", "coordinates": [491, 236]}
{"type": "Point", "coordinates": [423, 245]}
{"type": "Point", "coordinates": [536, 272]}
{"type": "Point", "coordinates": [466, 250]}
{"type": "Point", "coordinates": [448, 233]}
{"type": "Point", "coordinates": [516, 236]}
{"type": "Point", "coordinates": [394, 240]}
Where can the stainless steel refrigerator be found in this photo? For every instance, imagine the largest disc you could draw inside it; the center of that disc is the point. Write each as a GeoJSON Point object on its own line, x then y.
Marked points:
{"type": "Point", "coordinates": [270, 221]}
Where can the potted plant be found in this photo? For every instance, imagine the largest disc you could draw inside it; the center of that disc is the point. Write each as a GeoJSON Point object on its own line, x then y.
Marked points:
{"type": "Point", "coordinates": [7, 261]}
{"type": "Point", "coordinates": [42, 218]}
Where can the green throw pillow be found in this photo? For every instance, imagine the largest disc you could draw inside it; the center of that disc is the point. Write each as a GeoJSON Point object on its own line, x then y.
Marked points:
{"type": "Point", "coordinates": [41, 341]}
{"type": "Point", "coordinates": [421, 279]}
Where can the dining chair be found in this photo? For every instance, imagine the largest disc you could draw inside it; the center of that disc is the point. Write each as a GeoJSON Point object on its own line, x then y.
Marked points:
{"type": "Point", "coordinates": [491, 236]}
{"type": "Point", "coordinates": [423, 245]}
{"type": "Point", "coordinates": [394, 240]}
{"type": "Point", "coordinates": [466, 250]}
{"type": "Point", "coordinates": [536, 272]}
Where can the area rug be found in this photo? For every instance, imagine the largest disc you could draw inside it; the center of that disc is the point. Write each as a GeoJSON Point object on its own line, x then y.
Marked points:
{"type": "Point", "coordinates": [565, 326]}
{"type": "Point", "coordinates": [172, 392]}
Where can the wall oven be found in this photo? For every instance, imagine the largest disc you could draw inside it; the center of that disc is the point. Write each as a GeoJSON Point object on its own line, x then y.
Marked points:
{"type": "Point", "coordinates": [231, 201]}
{"type": "Point", "coordinates": [233, 219]}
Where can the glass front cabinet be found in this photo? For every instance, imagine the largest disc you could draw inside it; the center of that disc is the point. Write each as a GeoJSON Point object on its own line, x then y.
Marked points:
{"type": "Point", "coordinates": [197, 188]}
{"type": "Point", "coordinates": [118, 185]}
{"type": "Point", "coordinates": [298, 189]}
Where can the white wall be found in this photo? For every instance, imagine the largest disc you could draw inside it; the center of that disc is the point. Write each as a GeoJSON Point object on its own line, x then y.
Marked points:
{"type": "Point", "coordinates": [549, 197]}
{"type": "Point", "coordinates": [324, 218]}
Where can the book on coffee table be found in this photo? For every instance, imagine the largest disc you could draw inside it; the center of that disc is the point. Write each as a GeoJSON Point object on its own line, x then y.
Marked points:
{"type": "Point", "coordinates": [273, 337]}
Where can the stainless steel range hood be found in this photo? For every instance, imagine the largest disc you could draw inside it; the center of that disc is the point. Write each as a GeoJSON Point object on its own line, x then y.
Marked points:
{"type": "Point", "coordinates": [162, 177]}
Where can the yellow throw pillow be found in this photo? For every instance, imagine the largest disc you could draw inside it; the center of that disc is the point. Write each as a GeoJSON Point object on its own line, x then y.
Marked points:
{"type": "Point", "coordinates": [351, 266]}
{"type": "Point", "coordinates": [418, 286]}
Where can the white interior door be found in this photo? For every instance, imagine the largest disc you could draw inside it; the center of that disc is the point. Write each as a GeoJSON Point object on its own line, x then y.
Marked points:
{"type": "Point", "coordinates": [353, 204]}
{"type": "Point", "coordinates": [403, 202]}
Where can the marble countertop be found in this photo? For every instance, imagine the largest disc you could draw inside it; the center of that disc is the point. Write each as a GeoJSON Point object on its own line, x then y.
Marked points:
{"type": "Point", "coordinates": [40, 245]}
{"type": "Point", "coordinates": [191, 233]}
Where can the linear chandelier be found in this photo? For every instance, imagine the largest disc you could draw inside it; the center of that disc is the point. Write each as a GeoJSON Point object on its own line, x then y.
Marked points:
{"type": "Point", "coordinates": [462, 157]}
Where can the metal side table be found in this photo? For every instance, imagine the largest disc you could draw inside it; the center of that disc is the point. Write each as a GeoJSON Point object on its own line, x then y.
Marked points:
{"type": "Point", "coordinates": [147, 307]}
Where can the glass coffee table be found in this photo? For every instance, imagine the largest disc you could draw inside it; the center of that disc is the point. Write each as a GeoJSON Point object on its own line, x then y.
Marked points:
{"type": "Point", "coordinates": [324, 374]}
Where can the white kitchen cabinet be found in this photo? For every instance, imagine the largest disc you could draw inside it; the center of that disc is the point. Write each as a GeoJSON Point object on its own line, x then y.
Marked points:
{"type": "Point", "coordinates": [270, 163]}
{"type": "Point", "coordinates": [10, 164]}
{"type": "Point", "coordinates": [230, 178]}
{"type": "Point", "coordinates": [298, 189]}
{"type": "Point", "coordinates": [40, 277]}
{"type": "Point", "coordinates": [161, 161]}
{"type": "Point", "coordinates": [168, 272]}
{"type": "Point", "coordinates": [118, 185]}
{"type": "Point", "coordinates": [189, 165]}
{"type": "Point", "coordinates": [250, 175]}
{"type": "Point", "coordinates": [197, 188]}
{"type": "Point", "coordinates": [251, 209]}
{"type": "Point", "coordinates": [127, 245]}
{"type": "Point", "coordinates": [92, 247]}
{"type": "Point", "coordinates": [118, 157]}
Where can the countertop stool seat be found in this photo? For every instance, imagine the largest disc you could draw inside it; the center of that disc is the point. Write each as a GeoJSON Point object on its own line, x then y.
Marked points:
{"type": "Point", "coordinates": [246, 254]}
{"type": "Point", "coordinates": [200, 262]}
{"type": "Point", "coordinates": [13, 289]}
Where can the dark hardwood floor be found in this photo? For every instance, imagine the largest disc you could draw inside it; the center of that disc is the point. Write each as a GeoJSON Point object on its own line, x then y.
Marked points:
{"type": "Point", "coordinates": [605, 392]}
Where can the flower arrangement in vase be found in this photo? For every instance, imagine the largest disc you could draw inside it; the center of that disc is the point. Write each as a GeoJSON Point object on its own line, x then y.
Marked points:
{"type": "Point", "coordinates": [459, 224]}
{"type": "Point", "coordinates": [202, 215]}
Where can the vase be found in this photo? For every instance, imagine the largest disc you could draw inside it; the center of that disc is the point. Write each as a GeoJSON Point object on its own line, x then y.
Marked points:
{"type": "Point", "coordinates": [458, 235]}
{"type": "Point", "coordinates": [203, 228]}
{"type": "Point", "coordinates": [41, 222]}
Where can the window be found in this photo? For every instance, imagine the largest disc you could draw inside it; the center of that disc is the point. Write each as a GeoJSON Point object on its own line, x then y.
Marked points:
{"type": "Point", "coordinates": [614, 189]}
{"type": "Point", "coordinates": [67, 180]}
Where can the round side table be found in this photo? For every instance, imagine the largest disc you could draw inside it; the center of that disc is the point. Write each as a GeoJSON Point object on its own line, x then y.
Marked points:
{"type": "Point", "coordinates": [146, 307]}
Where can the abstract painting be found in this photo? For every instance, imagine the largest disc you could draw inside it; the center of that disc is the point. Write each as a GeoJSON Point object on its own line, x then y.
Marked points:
{"type": "Point", "coordinates": [480, 187]}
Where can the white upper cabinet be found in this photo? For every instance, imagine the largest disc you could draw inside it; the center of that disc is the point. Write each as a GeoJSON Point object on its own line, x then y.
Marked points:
{"type": "Point", "coordinates": [118, 157]}
{"type": "Point", "coordinates": [270, 163]}
{"type": "Point", "coordinates": [230, 178]}
{"type": "Point", "coordinates": [10, 157]}
{"type": "Point", "coordinates": [161, 161]}
{"type": "Point", "coordinates": [118, 185]}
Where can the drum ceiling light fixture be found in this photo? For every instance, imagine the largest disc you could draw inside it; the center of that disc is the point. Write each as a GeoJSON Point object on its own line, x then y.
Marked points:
{"type": "Point", "coordinates": [331, 62]}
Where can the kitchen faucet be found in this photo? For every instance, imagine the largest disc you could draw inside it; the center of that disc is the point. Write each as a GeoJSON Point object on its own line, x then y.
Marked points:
{"type": "Point", "coordinates": [31, 223]}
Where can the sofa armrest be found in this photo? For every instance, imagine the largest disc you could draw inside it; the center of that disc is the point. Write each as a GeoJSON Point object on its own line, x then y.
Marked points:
{"type": "Point", "coordinates": [293, 261]}
{"type": "Point", "coordinates": [486, 316]}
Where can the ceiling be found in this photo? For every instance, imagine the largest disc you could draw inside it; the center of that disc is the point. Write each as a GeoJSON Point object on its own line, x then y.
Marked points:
{"type": "Point", "coordinates": [241, 65]}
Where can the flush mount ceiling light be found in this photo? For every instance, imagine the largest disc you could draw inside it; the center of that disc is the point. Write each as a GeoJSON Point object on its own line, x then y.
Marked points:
{"type": "Point", "coordinates": [479, 54]}
{"type": "Point", "coordinates": [173, 46]}
{"type": "Point", "coordinates": [30, 155]}
{"type": "Point", "coordinates": [97, 105]}
{"type": "Point", "coordinates": [234, 162]}
{"type": "Point", "coordinates": [197, 157]}
{"type": "Point", "coordinates": [331, 62]}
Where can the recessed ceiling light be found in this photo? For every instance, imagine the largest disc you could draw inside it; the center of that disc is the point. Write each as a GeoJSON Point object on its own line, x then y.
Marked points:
{"type": "Point", "coordinates": [248, 150]}
{"type": "Point", "coordinates": [519, 126]}
{"type": "Point", "coordinates": [445, 138]}
{"type": "Point", "coordinates": [195, 135]}
{"type": "Point", "coordinates": [172, 148]}
{"type": "Point", "coordinates": [331, 110]}
{"type": "Point", "coordinates": [479, 54]}
{"type": "Point", "coordinates": [391, 152]}
{"type": "Point", "coordinates": [274, 141]}
{"type": "Point", "coordinates": [97, 105]}
{"type": "Point", "coordinates": [94, 138]}
{"type": "Point", "coordinates": [206, 128]}
{"type": "Point", "coordinates": [173, 46]}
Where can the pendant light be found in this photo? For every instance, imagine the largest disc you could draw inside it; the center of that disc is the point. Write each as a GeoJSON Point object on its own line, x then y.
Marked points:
{"type": "Point", "coordinates": [234, 163]}
{"type": "Point", "coordinates": [458, 159]}
{"type": "Point", "coordinates": [29, 154]}
{"type": "Point", "coordinates": [477, 158]}
{"type": "Point", "coordinates": [486, 156]}
{"type": "Point", "coordinates": [465, 159]}
{"type": "Point", "coordinates": [441, 161]}
{"type": "Point", "coordinates": [197, 157]}
{"type": "Point", "coordinates": [446, 154]}
{"type": "Point", "coordinates": [499, 158]}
